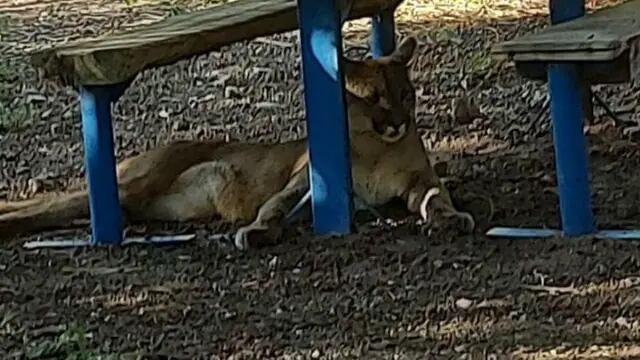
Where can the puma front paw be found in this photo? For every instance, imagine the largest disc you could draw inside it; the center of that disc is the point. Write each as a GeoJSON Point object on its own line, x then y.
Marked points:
{"type": "Point", "coordinates": [254, 236]}
{"type": "Point", "coordinates": [462, 220]}
{"type": "Point", "coordinates": [438, 212]}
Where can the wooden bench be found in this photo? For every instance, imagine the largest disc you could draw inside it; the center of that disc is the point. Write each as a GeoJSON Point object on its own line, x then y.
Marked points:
{"type": "Point", "coordinates": [102, 69]}
{"type": "Point", "coordinates": [604, 43]}
{"type": "Point", "coordinates": [575, 51]}
{"type": "Point", "coordinates": [120, 57]}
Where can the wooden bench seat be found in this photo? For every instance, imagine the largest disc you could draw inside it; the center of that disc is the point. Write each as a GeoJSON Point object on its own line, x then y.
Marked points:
{"type": "Point", "coordinates": [118, 58]}
{"type": "Point", "coordinates": [604, 43]}
{"type": "Point", "coordinates": [575, 52]}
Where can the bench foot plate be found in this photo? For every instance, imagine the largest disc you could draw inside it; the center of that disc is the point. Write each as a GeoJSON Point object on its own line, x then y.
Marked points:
{"type": "Point", "coordinates": [527, 233]}
{"type": "Point", "coordinates": [134, 240]}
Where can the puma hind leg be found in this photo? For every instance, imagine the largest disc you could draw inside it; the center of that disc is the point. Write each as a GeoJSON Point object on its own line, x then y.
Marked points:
{"type": "Point", "coordinates": [198, 194]}
{"type": "Point", "coordinates": [11, 206]}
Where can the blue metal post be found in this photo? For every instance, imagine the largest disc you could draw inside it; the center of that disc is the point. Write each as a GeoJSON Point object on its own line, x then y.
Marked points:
{"type": "Point", "coordinates": [383, 30]}
{"type": "Point", "coordinates": [565, 92]}
{"type": "Point", "coordinates": [327, 128]}
{"type": "Point", "coordinates": [106, 217]}
{"type": "Point", "coordinates": [565, 10]}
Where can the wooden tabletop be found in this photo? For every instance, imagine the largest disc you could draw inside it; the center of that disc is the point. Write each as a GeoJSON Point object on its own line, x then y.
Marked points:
{"type": "Point", "coordinates": [600, 36]}
{"type": "Point", "coordinates": [120, 57]}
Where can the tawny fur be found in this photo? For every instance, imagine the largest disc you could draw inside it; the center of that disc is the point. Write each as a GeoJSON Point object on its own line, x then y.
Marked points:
{"type": "Point", "coordinates": [257, 184]}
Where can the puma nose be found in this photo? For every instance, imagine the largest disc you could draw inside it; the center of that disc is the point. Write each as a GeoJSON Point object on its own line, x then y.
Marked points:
{"type": "Point", "coordinates": [394, 133]}
{"type": "Point", "coordinates": [395, 130]}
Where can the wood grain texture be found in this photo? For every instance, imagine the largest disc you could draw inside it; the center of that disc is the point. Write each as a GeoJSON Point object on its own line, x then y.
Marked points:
{"type": "Point", "coordinates": [120, 57]}
{"type": "Point", "coordinates": [599, 36]}
{"type": "Point", "coordinates": [615, 71]}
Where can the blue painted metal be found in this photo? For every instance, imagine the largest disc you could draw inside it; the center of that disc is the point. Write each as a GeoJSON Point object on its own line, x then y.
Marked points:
{"type": "Point", "coordinates": [565, 10]}
{"type": "Point", "coordinates": [327, 128]}
{"type": "Point", "coordinates": [618, 234]}
{"type": "Point", "coordinates": [528, 233]}
{"type": "Point", "coordinates": [383, 31]}
{"type": "Point", "coordinates": [522, 232]}
{"type": "Point", "coordinates": [140, 240]}
{"type": "Point", "coordinates": [572, 171]}
{"type": "Point", "coordinates": [106, 217]}
{"type": "Point", "coordinates": [571, 155]}
{"type": "Point", "coordinates": [570, 146]}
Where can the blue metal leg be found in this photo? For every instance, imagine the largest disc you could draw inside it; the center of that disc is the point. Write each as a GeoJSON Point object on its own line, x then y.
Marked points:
{"type": "Point", "coordinates": [327, 128]}
{"type": "Point", "coordinates": [566, 95]}
{"type": "Point", "coordinates": [565, 10]}
{"type": "Point", "coordinates": [383, 29]}
{"type": "Point", "coordinates": [565, 92]}
{"type": "Point", "coordinates": [106, 217]}
{"type": "Point", "coordinates": [570, 150]}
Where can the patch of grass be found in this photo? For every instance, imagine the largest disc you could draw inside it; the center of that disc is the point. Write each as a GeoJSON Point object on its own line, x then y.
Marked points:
{"type": "Point", "coordinates": [72, 344]}
{"type": "Point", "coordinates": [479, 63]}
{"type": "Point", "coordinates": [14, 117]}
{"type": "Point", "coordinates": [446, 35]}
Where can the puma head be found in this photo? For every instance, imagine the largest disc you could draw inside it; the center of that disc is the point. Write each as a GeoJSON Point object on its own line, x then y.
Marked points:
{"type": "Point", "coordinates": [384, 84]}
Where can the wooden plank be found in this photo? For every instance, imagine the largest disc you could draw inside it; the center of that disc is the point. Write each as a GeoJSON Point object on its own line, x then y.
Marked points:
{"type": "Point", "coordinates": [594, 72]}
{"type": "Point", "coordinates": [568, 56]}
{"type": "Point", "coordinates": [599, 36]}
{"type": "Point", "coordinates": [120, 57]}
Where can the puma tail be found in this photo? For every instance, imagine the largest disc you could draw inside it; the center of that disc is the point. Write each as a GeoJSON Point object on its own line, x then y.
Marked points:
{"type": "Point", "coordinates": [10, 206]}
{"type": "Point", "coordinates": [29, 216]}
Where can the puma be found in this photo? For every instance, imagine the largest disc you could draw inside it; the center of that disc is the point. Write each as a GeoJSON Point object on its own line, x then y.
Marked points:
{"type": "Point", "coordinates": [257, 184]}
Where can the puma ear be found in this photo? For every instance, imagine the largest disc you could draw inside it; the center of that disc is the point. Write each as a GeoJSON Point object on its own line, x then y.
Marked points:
{"type": "Point", "coordinates": [404, 51]}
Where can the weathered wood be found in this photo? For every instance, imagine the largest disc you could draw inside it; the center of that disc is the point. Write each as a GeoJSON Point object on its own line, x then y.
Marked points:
{"type": "Point", "coordinates": [595, 72]}
{"type": "Point", "coordinates": [599, 36]}
{"type": "Point", "coordinates": [120, 57]}
{"type": "Point", "coordinates": [605, 43]}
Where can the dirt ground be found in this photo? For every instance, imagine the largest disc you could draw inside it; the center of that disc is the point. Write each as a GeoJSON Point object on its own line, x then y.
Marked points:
{"type": "Point", "coordinates": [378, 294]}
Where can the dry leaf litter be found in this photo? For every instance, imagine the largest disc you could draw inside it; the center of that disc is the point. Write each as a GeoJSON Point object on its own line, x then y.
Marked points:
{"type": "Point", "coordinates": [380, 294]}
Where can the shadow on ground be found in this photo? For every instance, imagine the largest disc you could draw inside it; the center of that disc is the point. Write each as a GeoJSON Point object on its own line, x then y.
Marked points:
{"type": "Point", "coordinates": [378, 294]}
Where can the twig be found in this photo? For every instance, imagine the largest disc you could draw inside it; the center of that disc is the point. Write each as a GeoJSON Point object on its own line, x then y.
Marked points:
{"type": "Point", "coordinates": [606, 108]}
{"type": "Point", "coordinates": [553, 290]}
